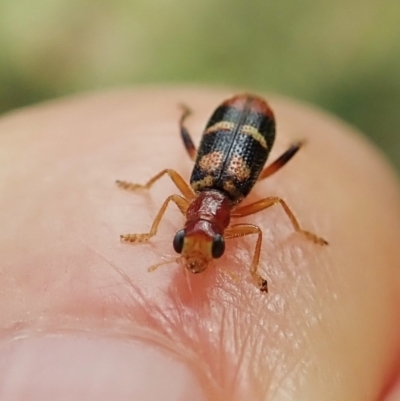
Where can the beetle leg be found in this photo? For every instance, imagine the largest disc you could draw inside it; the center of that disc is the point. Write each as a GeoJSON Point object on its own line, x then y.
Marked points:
{"type": "Point", "coordinates": [281, 160]}
{"type": "Point", "coordinates": [273, 200]}
{"type": "Point", "coordinates": [177, 179]}
{"type": "Point", "coordinates": [186, 138]}
{"type": "Point", "coordinates": [240, 230]}
{"type": "Point", "coordinates": [182, 204]}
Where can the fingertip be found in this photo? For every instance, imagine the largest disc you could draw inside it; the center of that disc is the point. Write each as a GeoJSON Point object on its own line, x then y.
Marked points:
{"type": "Point", "coordinates": [321, 317]}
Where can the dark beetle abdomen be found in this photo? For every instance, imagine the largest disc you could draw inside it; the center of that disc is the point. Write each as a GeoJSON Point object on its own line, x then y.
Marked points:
{"type": "Point", "coordinates": [234, 147]}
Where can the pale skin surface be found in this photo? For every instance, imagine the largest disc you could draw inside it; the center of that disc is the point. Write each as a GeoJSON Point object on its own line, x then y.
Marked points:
{"type": "Point", "coordinates": [329, 327]}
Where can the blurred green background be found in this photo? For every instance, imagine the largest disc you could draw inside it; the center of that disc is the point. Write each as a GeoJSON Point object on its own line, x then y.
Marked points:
{"type": "Point", "coordinates": [342, 55]}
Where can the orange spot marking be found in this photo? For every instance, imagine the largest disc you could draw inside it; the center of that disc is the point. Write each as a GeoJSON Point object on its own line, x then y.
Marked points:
{"type": "Point", "coordinates": [238, 168]}
{"type": "Point", "coordinates": [211, 162]}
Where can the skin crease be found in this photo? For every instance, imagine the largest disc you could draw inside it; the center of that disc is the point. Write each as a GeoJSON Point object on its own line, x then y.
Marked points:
{"type": "Point", "coordinates": [329, 327]}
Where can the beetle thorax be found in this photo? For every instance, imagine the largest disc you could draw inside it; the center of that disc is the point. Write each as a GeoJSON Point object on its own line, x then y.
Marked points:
{"type": "Point", "coordinates": [210, 206]}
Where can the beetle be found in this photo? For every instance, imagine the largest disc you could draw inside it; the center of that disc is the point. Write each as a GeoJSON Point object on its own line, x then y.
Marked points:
{"type": "Point", "coordinates": [230, 159]}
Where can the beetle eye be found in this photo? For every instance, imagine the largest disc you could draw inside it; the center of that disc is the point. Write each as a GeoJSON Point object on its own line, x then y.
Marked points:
{"type": "Point", "coordinates": [218, 246]}
{"type": "Point", "coordinates": [178, 241]}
